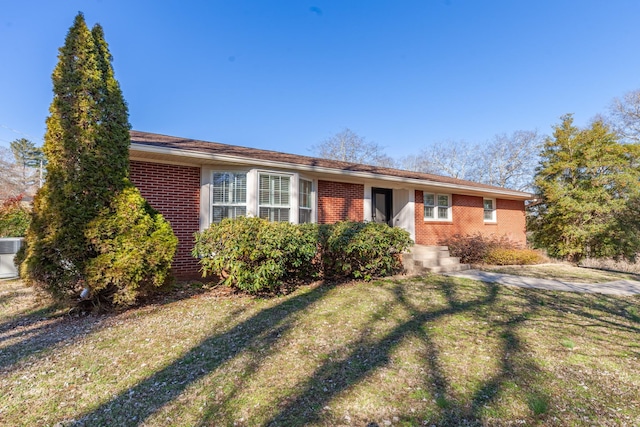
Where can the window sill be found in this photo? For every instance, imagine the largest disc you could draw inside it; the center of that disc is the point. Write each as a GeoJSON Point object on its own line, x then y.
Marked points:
{"type": "Point", "coordinates": [437, 221]}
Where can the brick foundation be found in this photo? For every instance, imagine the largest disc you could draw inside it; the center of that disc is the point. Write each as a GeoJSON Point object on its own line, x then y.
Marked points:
{"type": "Point", "coordinates": [175, 192]}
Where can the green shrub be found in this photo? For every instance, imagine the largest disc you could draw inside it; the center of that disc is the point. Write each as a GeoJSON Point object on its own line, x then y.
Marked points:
{"type": "Point", "coordinates": [14, 218]}
{"type": "Point", "coordinates": [506, 256]}
{"type": "Point", "coordinates": [134, 247]}
{"type": "Point", "coordinates": [362, 250]}
{"type": "Point", "coordinates": [473, 249]}
{"type": "Point", "coordinates": [254, 254]}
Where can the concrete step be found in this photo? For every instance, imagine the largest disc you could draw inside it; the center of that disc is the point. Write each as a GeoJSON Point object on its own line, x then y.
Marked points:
{"type": "Point", "coordinates": [436, 262]}
{"type": "Point", "coordinates": [448, 268]}
{"type": "Point", "coordinates": [429, 251]}
{"type": "Point", "coordinates": [434, 259]}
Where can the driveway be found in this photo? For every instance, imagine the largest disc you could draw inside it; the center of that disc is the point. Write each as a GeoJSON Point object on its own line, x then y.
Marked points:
{"type": "Point", "coordinates": [617, 287]}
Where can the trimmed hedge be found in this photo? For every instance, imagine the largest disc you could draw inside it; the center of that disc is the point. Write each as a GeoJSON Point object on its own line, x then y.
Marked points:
{"type": "Point", "coordinates": [362, 250]}
{"type": "Point", "coordinates": [497, 250]}
{"type": "Point", "coordinates": [253, 254]}
{"type": "Point", "coordinates": [506, 256]}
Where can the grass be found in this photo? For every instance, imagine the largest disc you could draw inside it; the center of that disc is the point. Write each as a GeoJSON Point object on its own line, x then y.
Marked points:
{"type": "Point", "coordinates": [431, 350]}
{"type": "Point", "coordinates": [612, 264]}
{"type": "Point", "coordinates": [564, 272]}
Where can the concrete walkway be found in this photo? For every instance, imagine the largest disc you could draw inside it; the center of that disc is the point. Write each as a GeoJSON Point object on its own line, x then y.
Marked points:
{"type": "Point", "coordinates": [618, 287]}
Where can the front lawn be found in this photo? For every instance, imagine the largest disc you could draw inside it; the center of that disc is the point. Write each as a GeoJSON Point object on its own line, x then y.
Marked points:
{"type": "Point", "coordinates": [401, 352]}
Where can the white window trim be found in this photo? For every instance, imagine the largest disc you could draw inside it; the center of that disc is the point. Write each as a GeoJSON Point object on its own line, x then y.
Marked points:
{"type": "Point", "coordinates": [293, 194]}
{"type": "Point", "coordinates": [494, 218]}
{"type": "Point", "coordinates": [449, 210]}
{"type": "Point", "coordinates": [233, 204]}
{"type": "Point", "coordinates": [311, 200]}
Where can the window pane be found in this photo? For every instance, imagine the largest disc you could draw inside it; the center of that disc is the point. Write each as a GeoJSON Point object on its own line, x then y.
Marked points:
{"type": "Point", "coordinates": [264, 189]}
{"type": "Point", "coordinates": [488, 204]}
{"type": "Point", "coordinates": [220, 187]}
{"type": "Point", "coordinates": [429, 200]}
{"type": "Point", "coordinates": [428, 212]}
{"type": "Point", "coordinates": [284, 191]}
{"type": "Point", "coordinates": [274, 190]}
{"type": "Point", "coordinates": [443, 213]}
{"type": "Point", "coordinates": [443, 201]}
{"type": "Point", "coordinates": [274, 214]}
{"type": "Point", "coordinates": [304, 194]}
{"type": "Point", "coordinates": [304, 216]}
{"type": "Point", "coordinates": [240, 188]}
{"type": "Point", "coordinates": [488, 215]}
{"type": "Point", "coordinates": [229, 195]}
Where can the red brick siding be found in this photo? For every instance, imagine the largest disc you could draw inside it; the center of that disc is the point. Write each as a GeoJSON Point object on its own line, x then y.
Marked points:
{"type": "Point", "coordinates": [468, 218]}
{"type": "Point", "coordinates": [339, 201]}
{"type": "Point", "coordinates": [511, 220]}
{"type": "Point", "coordinates": [175, 192]}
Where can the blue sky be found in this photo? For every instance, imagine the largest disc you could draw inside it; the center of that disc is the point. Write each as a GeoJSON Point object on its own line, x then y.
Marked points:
{"type": "Point", "coordinates": [284, 75]}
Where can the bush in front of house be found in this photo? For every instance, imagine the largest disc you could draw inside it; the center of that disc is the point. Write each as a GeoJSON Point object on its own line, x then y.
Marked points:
{"type": "Point", "coordinates": [513, 256]}
{"type": "Point", "coordinates": [133, 245]}
{"type": "Point", "coordinates": [253, 254]}
{"type": "Point", "coordinates": [362, 250]}
{"type": "Point", "coordinates": [14, 217]}
{"type": "Point", "coordinates": [497, 250]}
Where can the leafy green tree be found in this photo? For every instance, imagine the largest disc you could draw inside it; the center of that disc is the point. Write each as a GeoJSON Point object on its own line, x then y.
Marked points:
{"type": "Point", "coordinates": [586, 183]}
{"type": "Point", "coordinates": [86, 144]}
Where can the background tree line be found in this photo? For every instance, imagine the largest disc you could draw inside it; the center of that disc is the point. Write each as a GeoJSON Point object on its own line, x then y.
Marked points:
{"type": "Point", "coordinates": [506, 160]}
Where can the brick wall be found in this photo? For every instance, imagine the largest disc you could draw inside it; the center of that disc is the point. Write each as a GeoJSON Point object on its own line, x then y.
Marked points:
{"type": "Point", "coordinates": [339, 201]}
{"type": "Point", "coordinates": [175, 192]}
{"type": "Point", "coordinates": [511, 220]}
{"type": "Point", "coordinates": [468, 218]}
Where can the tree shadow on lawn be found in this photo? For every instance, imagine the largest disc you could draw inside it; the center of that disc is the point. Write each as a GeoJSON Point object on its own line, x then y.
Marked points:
{"type": "Point", "coordinates": [336, 376]}
{"type": "Point", "coordinates": [34, 332]}
{"type": "Point", "coordinates": [137, 404]}
{"type": "Point", "coordinates": [261, 330]}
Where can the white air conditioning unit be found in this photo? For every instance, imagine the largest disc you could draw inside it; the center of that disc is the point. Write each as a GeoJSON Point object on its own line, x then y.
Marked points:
{"type": "Point", "coordinates": [9, 247]}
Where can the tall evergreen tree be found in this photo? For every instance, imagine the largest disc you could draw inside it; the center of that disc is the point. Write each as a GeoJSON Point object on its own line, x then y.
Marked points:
{"type": "Point", "coordinates": [86, 143]}
{"type": "Point", "coordinates": [586, 182]}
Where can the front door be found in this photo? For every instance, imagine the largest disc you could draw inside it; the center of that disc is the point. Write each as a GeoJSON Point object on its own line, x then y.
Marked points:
{"type": "Point", "coordinates": [381, 205]}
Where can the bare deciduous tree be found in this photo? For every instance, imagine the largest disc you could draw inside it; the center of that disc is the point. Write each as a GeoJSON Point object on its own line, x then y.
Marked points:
{"type": "Point", "coordinates": [451, 158]}
{"type": "Point", "coordinates": [347, 146]}
{"type": "Point", "coordinates": [509, 160]}
{"type": "Point", "coordinates": [625, 116]}
{"type": "Point", "coordinates": [9, 175]}
{"type": "Point", "coordinates": [505, 161]}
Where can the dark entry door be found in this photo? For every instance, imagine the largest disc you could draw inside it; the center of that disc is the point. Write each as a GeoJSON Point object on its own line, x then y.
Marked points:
{"type": "Point", "coordinates": [381, 206]}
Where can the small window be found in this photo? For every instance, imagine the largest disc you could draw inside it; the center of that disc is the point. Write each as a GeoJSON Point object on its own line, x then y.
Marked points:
{"type": "Point", "coordinates": [437, 207]}
{"type": "Point", "coordinates": [489, 210]}
{"type": "Point", "coordinates": [228, 195]}
{"type": "Point", "coordinates": [273, 198]}
{"type": "Point", "coordinates": [304, 201]}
